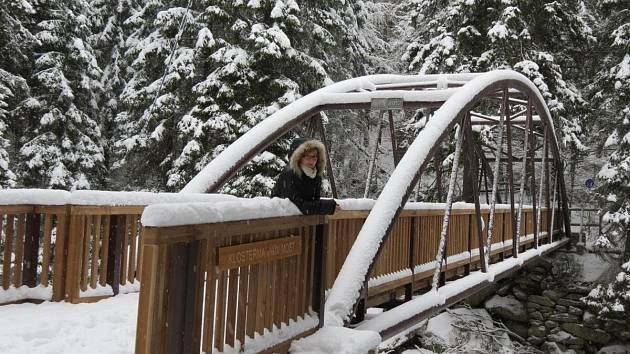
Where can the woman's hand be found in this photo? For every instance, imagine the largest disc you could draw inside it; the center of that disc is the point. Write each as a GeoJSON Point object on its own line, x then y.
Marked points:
{"type": "Point", "coordinates": [337, 208]}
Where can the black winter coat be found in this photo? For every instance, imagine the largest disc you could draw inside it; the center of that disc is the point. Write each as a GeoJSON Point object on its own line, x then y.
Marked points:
{"type": "Point", "coordinates": [304, 192]}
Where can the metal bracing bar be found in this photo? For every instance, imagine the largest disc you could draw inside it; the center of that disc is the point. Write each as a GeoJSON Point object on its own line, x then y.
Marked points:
{"type": "Point", "coordinates": [532, 153]}
{"type": "Point", "coordinates": [494, 150]}
{"type": "Point", "coordinates": [523, 128]}
{"type": "Point", "coordinates": [542, 182]}
{"type": "Point", "coordinates": [484, 163]}
{"type": "Point", "coordinates": [495, 184]}
{"type": "Point", "coordinates": [368, 182]}
{"type": "Point", "coordinates": [505, 159]}
{"type": "Point", "coordinates": [483, 116]}
{"type": "Point", "coordinates": [329, 168]}
{"type": "Point", "coordinates": [475, 169]}
{"type": "Point", "coordinates": [392, 133]}
{"type": "Point", "coordinates": [519, 216]}
{"type": "Point", "coordinates": [511, 100]}
{"type": "Point", "coordinates": [510, 176]}
{"type": "Point", "coordinates": [518, 114]}
{"type": "Point", "coordinates": [553, 204]}
{"type": "Point", "coordinates": [407, 85]}
{"type": "Point", "coordinates": [547, 194]}
{"type": "Point", "coordinates": [439, 259]}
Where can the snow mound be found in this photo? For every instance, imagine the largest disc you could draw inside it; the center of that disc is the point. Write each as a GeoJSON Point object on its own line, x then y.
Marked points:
{"type": "Point", "coordinates": [338, 340]}
{"type": "Point", "coordinates": [463, 328]}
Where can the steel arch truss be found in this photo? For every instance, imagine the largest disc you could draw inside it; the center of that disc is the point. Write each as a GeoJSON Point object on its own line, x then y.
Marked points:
{"type": "Point", "coordinates": [454, 98]}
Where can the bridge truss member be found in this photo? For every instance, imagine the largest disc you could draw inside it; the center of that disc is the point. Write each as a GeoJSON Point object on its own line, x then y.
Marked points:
{"type": "Point", "coordinates": [301, 180]}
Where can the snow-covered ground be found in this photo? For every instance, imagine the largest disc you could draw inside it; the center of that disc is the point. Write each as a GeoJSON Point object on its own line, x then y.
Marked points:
{"type": "Point", "coordinates": [107, 326]}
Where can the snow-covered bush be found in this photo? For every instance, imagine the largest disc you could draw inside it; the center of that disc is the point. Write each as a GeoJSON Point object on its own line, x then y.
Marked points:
{"type": "Point", "coordinates": [612, 301]}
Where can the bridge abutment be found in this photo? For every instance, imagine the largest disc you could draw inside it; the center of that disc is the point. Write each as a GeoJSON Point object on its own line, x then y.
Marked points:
{"type": "Point", "coordinates": [542, 304]}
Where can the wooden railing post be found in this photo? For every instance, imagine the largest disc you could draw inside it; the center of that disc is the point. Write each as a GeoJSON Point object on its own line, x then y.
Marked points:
{"type": "Point", "coordinates": [31, 249]}
{"type": "Point", "coordinates": [412, 259]}
{"type": "Point", "coordinates": [169, 311]}
{"type": "Point", "coordinates": [73, 264]}
{"type": "Point", "coordinates": [61, 256]}
{"type": "Point", "coordinates": [114, 255]}
{"type": "Point", "coordinates": [184, 299]}
{"type": "Point", "coordinates": [319, 276]}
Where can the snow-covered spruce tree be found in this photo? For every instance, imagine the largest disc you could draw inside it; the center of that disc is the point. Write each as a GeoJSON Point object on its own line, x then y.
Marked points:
{"type": "Point", "coordinates": [612, 95]}
{"type": "Point", "coordinates": [61, 148]}
{"type": "Point", "coordinates": [613, 302]}
{"type": "Point", "coordinates": [156, 99]}
{"type": "Point", "coordinates": [237, 62]}
{"type": "Point", "coordinates": [16, 43]}
{"type": "Point", "coordinates": [108, 40]}
{"type": "Point", "coordinates": [537, 38]}
{"type": "Point", "coordinates": [7, 176]}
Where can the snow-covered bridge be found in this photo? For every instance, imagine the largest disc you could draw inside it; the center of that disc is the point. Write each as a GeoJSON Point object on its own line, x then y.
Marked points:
{"type": "Point", "coordinates": [253, 274]}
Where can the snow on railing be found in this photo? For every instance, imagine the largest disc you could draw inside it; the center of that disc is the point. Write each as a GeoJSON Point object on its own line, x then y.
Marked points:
{"type": "Point", "coordinates": [35, 224]}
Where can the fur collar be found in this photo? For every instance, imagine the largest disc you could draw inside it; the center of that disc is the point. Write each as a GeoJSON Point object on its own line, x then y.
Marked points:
{"type": "Point", "coordinates": [294, 160]}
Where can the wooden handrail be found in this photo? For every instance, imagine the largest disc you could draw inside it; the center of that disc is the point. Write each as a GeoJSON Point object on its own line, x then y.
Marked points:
{"type": "Point", "coordinates": [74, 263]}
{"type": "Point", "coordinates": [257, 274]}
{"type": "Point", "coordinates": [250, 286]}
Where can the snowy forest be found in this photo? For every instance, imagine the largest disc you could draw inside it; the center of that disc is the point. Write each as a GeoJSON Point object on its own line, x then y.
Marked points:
{"type": "Point", "coordinates": [139, 95]}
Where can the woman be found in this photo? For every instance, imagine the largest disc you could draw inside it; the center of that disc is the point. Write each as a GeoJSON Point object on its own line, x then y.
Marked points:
{"type": "Point", "coordinates": [301, 180]}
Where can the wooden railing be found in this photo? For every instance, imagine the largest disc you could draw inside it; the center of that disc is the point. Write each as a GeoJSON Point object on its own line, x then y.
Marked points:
{"type": "Point", "coordinates": [233, 285]}
{"type": "Point", "coordinates": [84, 248]}
{"type": "Point", "coordinates": [406, 262]}
{"type": "Point", "coordinates": [103, 252]}
{"type": "Point", "coordinates": [76, 253]}
{"type": "Point", "coordinates": [216, 285]}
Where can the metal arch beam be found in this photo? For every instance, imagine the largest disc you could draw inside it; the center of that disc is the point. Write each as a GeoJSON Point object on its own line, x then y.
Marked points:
{"type": "Point", "coordinates": [401, 183]}
{"type": "Point", "coordinates": [351, 94]}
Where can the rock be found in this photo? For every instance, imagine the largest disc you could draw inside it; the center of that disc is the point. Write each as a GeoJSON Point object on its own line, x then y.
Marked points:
{"type": "Point", "coordinates": [614, 325]}
{"type": "Point", "coordinates": [565, 338]}
{"type": "Point", "coordinates": [535, 277]}
{"type": "Point", "coordinates": [563, 317]}
{"type": "Point", "coordinates": [625, 335]}
{"type": "Point", "coordinates": [590, 320]}
{"type": "Point", "coordinates": [539, 270]}
{"type": "Point", "coordinates": [536, 340]}
{"type": "Point", "coordinates": [504, 290]}
{"type": "Point", "coordinates": [528, 285]}
{"type": "Point", "coordinates": [578, 289]}
{"type": "Point", "coordinates": [519, 293]}
{"type": "Point", "coordinates": [590, 348]}
{"type": "Point", "coordinates": [551, 324]}
{"type": "Point", "coordinates": [575, 311]}
{"type": "Point", "coordinates": [552, 294]}
{"type": "Point", "coordinates": [537, 331]}
{"type": "Point", "coordinates": [541, 300]}
{"type": "Point", "coordinates": [519, 328]}
{"type": "Point", "coordinates": [552, 348]}
{"type": "Point", "coordinates": [540, 262]}
{"type": "Point", "coordinates": [590, 334]}
{"type": "Point", "coordinates": [535, 307]}
{"type": "Point", "coordinates": [568, 302]}
{"type": "Point", "coordinates": [507, 308]}
{"type": "Point", "coordinates": [536, 316]}
{"type": "Point", "coordinates": [575, 297]}
{"type": "Point", "coordinates": [577, 349]}
{"type": "Point", "coordinates": [617, 348]}
{"type": "Point", "coordinates": [554, 330]}
{"type": "Point", "coordinates": [477, 299]}
{"type": "Point", "coordinates": [561, 308]}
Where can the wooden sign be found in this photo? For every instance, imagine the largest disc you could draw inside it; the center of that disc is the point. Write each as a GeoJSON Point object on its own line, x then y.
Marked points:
{"type": "Point", "coordinates": [258, 252]}
{"type": "Point", "coordinates": [383, 104]}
